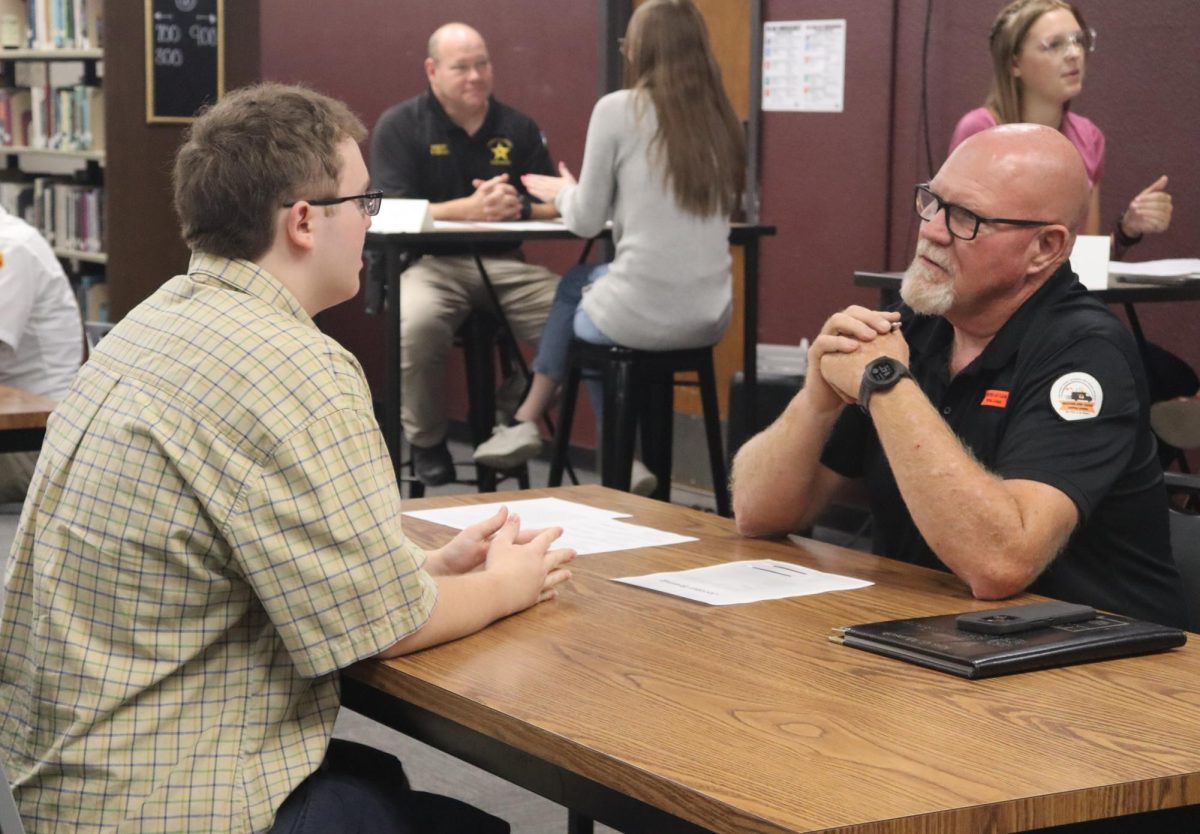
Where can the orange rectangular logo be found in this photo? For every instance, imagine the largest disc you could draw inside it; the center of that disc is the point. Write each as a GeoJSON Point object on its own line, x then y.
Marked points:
{"type": "Point", "coordinates": [994, 398]}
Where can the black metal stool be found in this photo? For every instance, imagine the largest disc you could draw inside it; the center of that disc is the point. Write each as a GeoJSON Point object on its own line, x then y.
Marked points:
{"type": "Point", "coordinates": [639, 387]}
{"type": "Point", "coordinates": [477, 337]}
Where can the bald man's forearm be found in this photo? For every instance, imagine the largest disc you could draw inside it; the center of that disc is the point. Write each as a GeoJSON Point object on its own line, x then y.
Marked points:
{"type": "Point", "coordinates": [779, 483]}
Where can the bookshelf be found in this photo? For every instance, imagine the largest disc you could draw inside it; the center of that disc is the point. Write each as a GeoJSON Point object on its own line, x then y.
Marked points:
{"type": "Point", "coordinates": [52, 133]}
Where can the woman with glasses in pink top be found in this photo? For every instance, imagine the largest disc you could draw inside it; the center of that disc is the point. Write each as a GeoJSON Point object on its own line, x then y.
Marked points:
{"type": "Point", "coordinates": [1039, 58]}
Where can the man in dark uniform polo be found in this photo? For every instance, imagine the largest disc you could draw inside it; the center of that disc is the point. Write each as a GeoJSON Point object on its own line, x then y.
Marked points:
{"type": "Point", "coordinates": [464, 151]}
{"type": "Point", "coordinates": [1000, 418]}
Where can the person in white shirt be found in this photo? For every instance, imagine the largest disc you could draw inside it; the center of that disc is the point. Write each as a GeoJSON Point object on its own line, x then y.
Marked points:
{"type": "Point", "coordinates": [41, 332]}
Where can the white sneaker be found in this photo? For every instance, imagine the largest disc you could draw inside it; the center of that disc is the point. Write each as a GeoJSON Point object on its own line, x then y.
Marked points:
{"type": "Point", "coordinates": [641, 480]}
{"type": "Point", "coordinates": [509, 446]}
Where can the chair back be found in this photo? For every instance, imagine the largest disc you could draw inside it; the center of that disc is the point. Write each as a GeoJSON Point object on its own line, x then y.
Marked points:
{"type": "Point", "coordinates": [1185, 540]}
{"type": "Point", "coordinates": [10, 820]}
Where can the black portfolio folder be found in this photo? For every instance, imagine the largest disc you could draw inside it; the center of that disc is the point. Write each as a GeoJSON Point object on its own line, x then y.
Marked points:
{"type": "Point", "coordinates": [938, 643]}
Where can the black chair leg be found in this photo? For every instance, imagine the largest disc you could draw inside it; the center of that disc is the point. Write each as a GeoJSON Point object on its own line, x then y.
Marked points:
{"type": "Point", "coordinates": [712, 428]}
{"type": "Point", "coordinates": [481, 390]}
{"type": "Point", "coordinates": [658, 417]}
{"type": "Point", "coordinates": [619, 430]}
{"type": "Point", "coordinates": [562, 437]}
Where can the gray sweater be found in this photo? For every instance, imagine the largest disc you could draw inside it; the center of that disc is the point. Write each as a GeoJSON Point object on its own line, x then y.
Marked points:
{"type": "Point", "coordinates": [669, 284]}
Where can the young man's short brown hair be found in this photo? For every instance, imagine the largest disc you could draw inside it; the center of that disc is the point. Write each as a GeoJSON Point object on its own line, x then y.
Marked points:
{"type": "Point", "coordinates": [247, 155]}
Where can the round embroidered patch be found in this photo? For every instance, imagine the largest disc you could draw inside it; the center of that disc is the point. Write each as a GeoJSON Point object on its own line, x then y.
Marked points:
{"type": "Point", "coordinates": [1076, 396]}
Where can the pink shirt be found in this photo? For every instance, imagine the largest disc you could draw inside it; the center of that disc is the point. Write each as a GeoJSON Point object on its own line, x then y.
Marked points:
{"type": "Point", "coordinates": [1084, 135]}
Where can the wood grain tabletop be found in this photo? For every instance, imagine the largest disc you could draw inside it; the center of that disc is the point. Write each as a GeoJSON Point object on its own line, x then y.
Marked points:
{"type": "Point", "coordinates": [747, 718]}
{"type": "Point", "coordinates": [23, 410]}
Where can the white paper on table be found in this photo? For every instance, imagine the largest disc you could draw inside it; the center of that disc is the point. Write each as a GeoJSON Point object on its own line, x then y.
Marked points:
{"type": "Point", "coordinates": [1089, 259]}
{"type": "Point", "coordinates": [733, 583]}
{"type": "Point", "coordinates": [1165, 268]}
{"type": "Point", "coordinates": [604, 535]}
{"type": "Point", "coordinates": [449, 226]}
{"type": "Point", "coordinates": [522, 226]}
{"type": "Point", "coordinates": [586, 529]}
{"type": "Point", "coordinates": [402, 216]}
{"type": "Point", "coordinates": [534, 512]}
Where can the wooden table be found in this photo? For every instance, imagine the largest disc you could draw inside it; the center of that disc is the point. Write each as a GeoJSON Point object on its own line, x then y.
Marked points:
{"type": "Point", "coordinates": [652, 713]}
{"type": "Point", "coordinates": [22, 419]}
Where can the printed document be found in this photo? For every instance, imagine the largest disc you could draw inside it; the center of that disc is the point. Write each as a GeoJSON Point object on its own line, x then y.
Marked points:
{"type": "Point", "coordinates": [734, 583]}
{"type": "Point", "coordinates": [586, 529]}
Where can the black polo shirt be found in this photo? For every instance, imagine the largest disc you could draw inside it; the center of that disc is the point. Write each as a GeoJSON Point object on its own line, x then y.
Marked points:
{"type": "Point", "coordinates": [1061, 355]}
{"type": "Point", "coordinates": [417, 152]}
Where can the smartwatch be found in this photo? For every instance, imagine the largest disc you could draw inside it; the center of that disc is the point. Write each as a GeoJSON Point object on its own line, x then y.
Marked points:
{"type": "Point", "coordinates": [880, 374]}
{"type": "Point", "coordinates": [526, 207]}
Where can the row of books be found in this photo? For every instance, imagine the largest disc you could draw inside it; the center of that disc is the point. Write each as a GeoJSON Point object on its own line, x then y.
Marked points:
{"type": "Point", "coordinates": [92, 293]}
{"type": "Point", "coordinates": [51, 24]}
{"type": "Point", "coordinates": [66, 119]}
{"type": "Point", "coordinates": [70, 215]}
{"type": "Point", "coordinates": [46, 104]}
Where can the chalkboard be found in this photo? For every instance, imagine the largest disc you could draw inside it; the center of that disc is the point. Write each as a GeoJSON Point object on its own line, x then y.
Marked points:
{"type": "Point", "coordinates": [185, 66]}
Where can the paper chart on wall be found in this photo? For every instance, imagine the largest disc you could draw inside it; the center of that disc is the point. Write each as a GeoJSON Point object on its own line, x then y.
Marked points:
{"type": "Point", "coordinates": [804, 66]}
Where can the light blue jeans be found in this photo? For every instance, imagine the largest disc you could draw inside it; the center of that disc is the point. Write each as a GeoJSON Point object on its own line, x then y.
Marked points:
{"type": "Point", "coordinates": [567, 318]}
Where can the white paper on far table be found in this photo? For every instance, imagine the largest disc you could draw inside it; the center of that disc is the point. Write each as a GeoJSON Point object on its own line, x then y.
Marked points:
{"type": "Point", "coordinates": [733, 583]}
{"type": "Point", "coordinates": [521, 225]}
{"type": "Point", "coordinates": [1163, 268]}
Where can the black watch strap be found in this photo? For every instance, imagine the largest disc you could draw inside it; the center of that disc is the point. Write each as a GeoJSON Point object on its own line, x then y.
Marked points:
{"type": "Point", "coordinates": [880, 374]}
{"type": "Point", "coordinates": [526, 207]}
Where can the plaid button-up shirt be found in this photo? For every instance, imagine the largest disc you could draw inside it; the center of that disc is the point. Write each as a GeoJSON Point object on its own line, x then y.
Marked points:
{"type": "Point", "coordinates": [212, 532]}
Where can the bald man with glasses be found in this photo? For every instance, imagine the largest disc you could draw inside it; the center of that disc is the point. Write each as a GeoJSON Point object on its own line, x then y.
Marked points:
{"type": "Point", "coordinates": [1000, 417]}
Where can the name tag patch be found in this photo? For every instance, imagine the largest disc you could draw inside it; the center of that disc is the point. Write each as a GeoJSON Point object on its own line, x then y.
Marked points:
{"type": "Point", "coordinates": [995, 398]}
{"type": "Point", "coordinates": [439, 149]}
{"type": "Point", "coordinates": [1076, 396]}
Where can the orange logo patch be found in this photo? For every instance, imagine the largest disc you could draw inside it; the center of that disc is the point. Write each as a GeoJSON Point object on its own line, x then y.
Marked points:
{"type": "Point", "coordinates": [1076, 396]}
{"type": "Point", "coordinates": [995, 398]}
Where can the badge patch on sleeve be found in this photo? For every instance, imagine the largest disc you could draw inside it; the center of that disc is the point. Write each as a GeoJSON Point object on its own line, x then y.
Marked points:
{"type": "Point", "coordinates": [1076, 396]}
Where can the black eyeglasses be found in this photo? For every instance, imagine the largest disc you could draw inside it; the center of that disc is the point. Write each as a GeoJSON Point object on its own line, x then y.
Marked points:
{"type": "Point", "coordinates": [962, 222]}
{"type": "Point", "coordinates": [368, 203]}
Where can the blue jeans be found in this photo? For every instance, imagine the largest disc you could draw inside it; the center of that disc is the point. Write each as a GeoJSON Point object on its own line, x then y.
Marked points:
{"type": "Point", "coordinates": [567, 319]}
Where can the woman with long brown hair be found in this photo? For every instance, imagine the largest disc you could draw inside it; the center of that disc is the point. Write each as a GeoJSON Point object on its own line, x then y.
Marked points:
{"type": "Point", "coordinates": [665, 161]}
{"type": "Point", "coordinates": [1039, 57]}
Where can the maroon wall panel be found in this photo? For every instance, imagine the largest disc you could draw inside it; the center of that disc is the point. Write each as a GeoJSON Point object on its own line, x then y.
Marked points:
{"type": "Point", "coordinates": [825, 179]}
{"type": "Point", "coordinates": [370, 53]}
